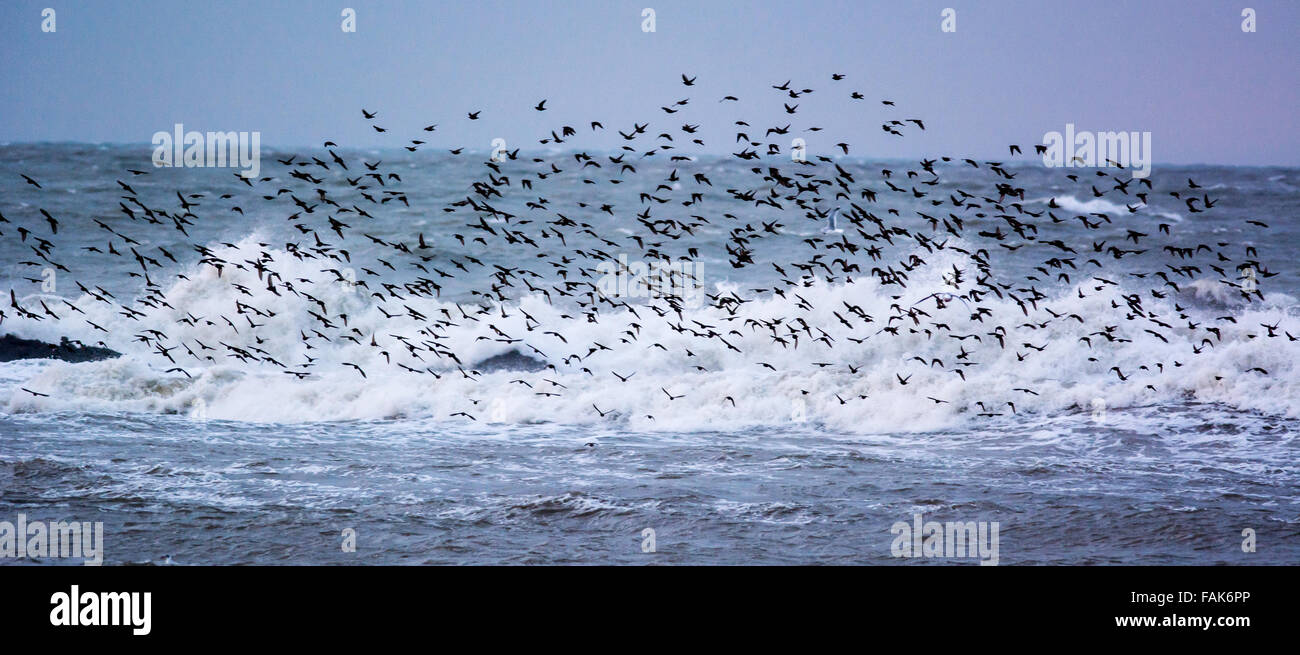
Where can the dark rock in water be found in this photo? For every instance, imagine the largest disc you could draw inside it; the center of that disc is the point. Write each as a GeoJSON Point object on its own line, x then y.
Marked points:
{"type": "Point", "coordinates": [509, 361]}
{"type": "Point", "coordinates": [12, 348]}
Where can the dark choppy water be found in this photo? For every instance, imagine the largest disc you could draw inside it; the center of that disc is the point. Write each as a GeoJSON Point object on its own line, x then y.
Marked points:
{"type": "Point", "coordinates": [1168, 488]}
{"type": "Point", "coordinates": [238, 464]}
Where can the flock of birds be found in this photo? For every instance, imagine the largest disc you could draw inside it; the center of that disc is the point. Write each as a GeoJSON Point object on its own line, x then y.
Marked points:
{"type": "Point", "coordinates": [556, 254]}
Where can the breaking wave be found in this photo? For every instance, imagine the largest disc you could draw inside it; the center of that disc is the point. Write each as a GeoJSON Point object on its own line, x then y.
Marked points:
{"type": "Point", "coordinates": [851, 377]}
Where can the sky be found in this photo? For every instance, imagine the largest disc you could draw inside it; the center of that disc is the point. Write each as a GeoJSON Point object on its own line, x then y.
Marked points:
{"type": "Point", "coordinates": [1012, 71]}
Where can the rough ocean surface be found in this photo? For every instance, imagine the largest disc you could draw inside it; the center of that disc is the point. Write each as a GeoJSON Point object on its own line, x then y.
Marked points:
{"type": "Point", "coordinates": [229, 463]}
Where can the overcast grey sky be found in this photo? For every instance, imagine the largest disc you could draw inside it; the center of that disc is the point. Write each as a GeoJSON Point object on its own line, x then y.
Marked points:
{"type": "Point", "coordinates": [1181, 69]}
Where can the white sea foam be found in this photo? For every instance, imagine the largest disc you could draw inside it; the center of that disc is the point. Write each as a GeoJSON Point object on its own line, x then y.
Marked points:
{"type": "Point", "coordinates": [797, 390]}
{"type": "Point", "coordinates": [1104, 206]}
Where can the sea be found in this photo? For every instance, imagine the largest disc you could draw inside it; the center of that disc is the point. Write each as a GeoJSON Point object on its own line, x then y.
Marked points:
{"type": "Point", "coordinates": [781, 450]}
